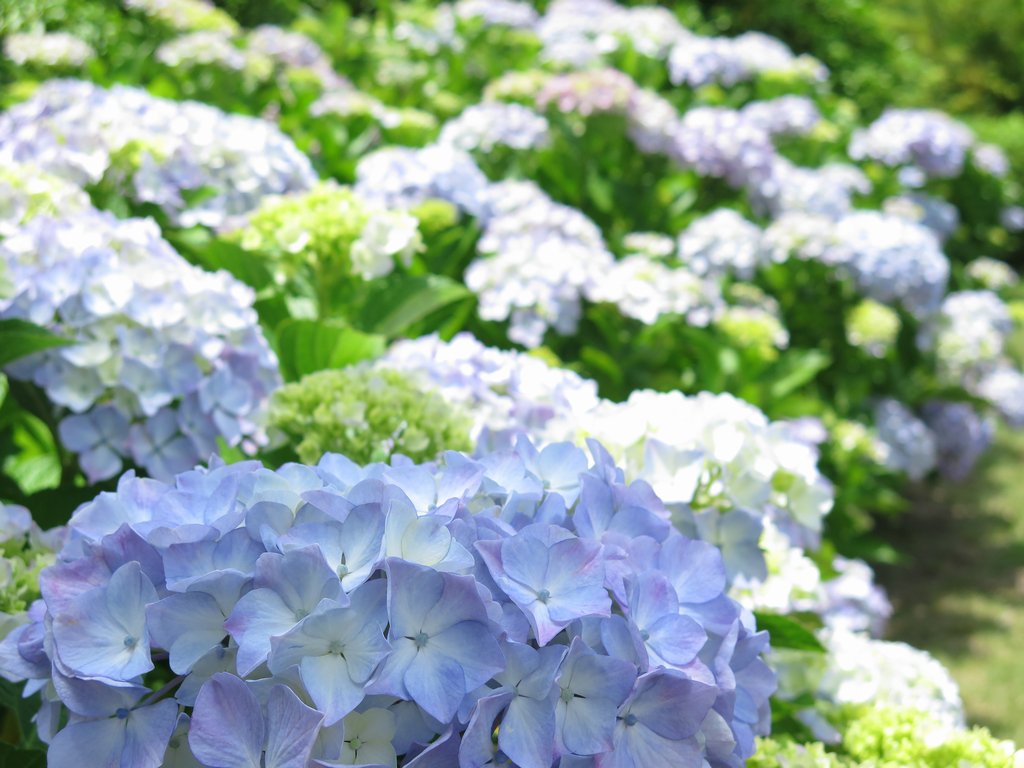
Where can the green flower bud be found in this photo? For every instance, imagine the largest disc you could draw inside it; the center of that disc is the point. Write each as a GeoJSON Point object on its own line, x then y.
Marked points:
{"type": "Point", "coordinates": [872, 327]}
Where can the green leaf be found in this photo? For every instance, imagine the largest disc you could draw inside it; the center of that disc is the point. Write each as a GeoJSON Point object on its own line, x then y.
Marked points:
{"type": "Point", "coordinates": [209, 252]}
{"type": "Point", "coordinates": [36, 464]}
{"type": "Point", "coordinates": [305, 346]}
{"type": "Point", "coordinates": [12, 757]}
{"type": "Point", "coordinates": [796, 369]}
{"type": "Point", "coordinates": [19, 338]}
{"type": "Point", "coordinates": [393, 305]}
{"type": "Point", "coordinates": [788, 632]}
{"type": "Point", "coordinates": [22, 710]}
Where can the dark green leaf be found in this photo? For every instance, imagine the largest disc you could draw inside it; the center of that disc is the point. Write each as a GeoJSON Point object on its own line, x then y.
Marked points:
{"type": "Point", "coordinates": [788, 632]}
{"type": "Point", "coordinates": [393, 305]}
{"type": "Point", "coordinates": [19, 338]}
{"type": "Point", "coordinates": [209, 252]}
{"type": "Point", "coordinates": [305, 346]}
{"type": "Point", "coordinates": [22, 710]}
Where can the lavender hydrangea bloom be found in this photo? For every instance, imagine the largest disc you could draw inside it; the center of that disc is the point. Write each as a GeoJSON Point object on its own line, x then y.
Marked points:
{"type": "Point", "coordinates": [167, 358]}
{"type": "Point", "coordinates": [910, 445]}
{"type": "Point", "coordinates": [928, 140]}
{"type": "Point", "coordinates": [85, 133]}
{"type": "Point", "coordinates": [490, 123]}
{"type": "Point", "coordinates": [217, 582]}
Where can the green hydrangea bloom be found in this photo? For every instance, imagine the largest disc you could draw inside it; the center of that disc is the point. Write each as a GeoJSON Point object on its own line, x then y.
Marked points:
{"type": "Point", "coordinates": [785, 753]}
{"type": "Point", "coordinates": [872, 327]}
{"type": "Point", "coordinates": [24, 551]}
{"type": "Point", "coordinates": [754, 328]}
{"type": "Point", "coordinates": [331, 230]}
{"type": "Point", "coordinates": [885, 737]}
{"type": "Point", "coordinates": [435, 216]}
{"type": "Point", "coordinates": [368, 415]}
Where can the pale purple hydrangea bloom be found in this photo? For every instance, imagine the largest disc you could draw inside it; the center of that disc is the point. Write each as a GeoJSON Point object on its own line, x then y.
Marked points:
{"type": "Point", "coordinates": [721, 243]}
{"type": "Point", "coordinates": [529, 593]}
{"type": "Point", "coordinates": [505, 13]}
{"type": "Point", "coordinates": [167, 360]}
{"type": "Point", "coordinates": [936, 214]}
{"type": "Point", "coordinates": [852, 600]}
{"type": "Point", "coordinates": [295, 51]}
{"type": "Point", "coordinates": [720, 142]}
{"type": "Point", "coordinates": [1003, 388]}
{"type": "Point", "coordinates": [697, 61]}
{"type": "Point", "coordinates": [490, 123]}
{"type": "Point", "coordinates": [784, 116]}
{"type": "Point", "coordinates": [968, 334]}
{"type": "Point", "coordinates": [962, 435]}
{"type": "Point", "coordinates": [538, 258]}
{"type": "Point", "coordinates": [824, 191]}
{"type": "Point", "coordinates": [77, 130]}
{"type": "Point", "coordinates": [991, 159]}
{"type": "Point", "coordinates": [910, 446]}
{"type": "Point", "coordinates": [927, 140]}
{"type": "Point", "coordinates": [400, 177]}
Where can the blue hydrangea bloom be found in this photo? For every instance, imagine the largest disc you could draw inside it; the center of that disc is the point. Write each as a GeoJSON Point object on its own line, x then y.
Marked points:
{"type": "Point", "coordinates": [520, 607]}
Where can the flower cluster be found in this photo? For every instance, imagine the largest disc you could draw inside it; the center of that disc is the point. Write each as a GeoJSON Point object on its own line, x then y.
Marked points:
{"type": "Point", "coordinates": [697, 61]}
{"type": "Point", "coordinates": [47, 49]}
{"type": "Point", "coordinates": [726, 144]}
{"type": "Point", "coordinates": [969, 333]}
{"type": "Point", "coordinates": [961, 436]}
{"type": "Point", "coordinates": [295, 51]}
{"type": "Point", "coordinates": [399, 177]}
{"type": "Point", "coordinates": [925, 140]}
{"type": "Point", "coordinates": [506, 13]}
{"type": "Point", "coordinates": [25, 550]}
{"type": "Point", "coordinates": [503, 391]}
{"type": "Point", "coordinates": [537, 259]}
{"type": "Point", "coordinates": [333, 231]}
{"type": "Point", "coordinates": [157, 151]}
{"type": "Point", "coordinates": [872, 327]}
{"type": "Point", "coordinates": [645, 288]}
{"type": "Point", "coordinates": [186, 15]}
{"type": "Point", "coordinates": [370, 614]}
{"type": "Point", "coordinates": [167, 359]}
{"type": "Point", "coordinates": [784, 116]}
{"type": "Point", "coordinates": [910, 445]}
{"type": "Point", "coordinates": [27, 192]}
{"type": "Point", "coordinates": [721, 243]}
{"type": "Point", "coordinates": [490, 123]}
{"type": "Point", "coordinates": [368, 414]}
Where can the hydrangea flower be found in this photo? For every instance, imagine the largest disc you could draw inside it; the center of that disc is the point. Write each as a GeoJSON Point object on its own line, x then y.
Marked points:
{"type": "Point", "coordinates": [968, 334]}
{"type": "Point", "coordinates": [27, 192]}
{"type": "Point", "coordinates": [47, 49]}
{"type": "Point", "coordinates": [26, 550]}
{"type": "Point", "coordinates": [927, 140]}
{"type": "Point", "coordinates": [368, 414]}
{"type": "Point", "coordinates": [167, 358]}
{"type": "Point", "coordinates": [505, 13]}
{"type": "Point", "coordinates": [721, 243]}
{"type": "Point", "coordinates": [646, 289]}
{"type": "Point", "coordinates": [910, 445]}
{"type": "Point", "coordinates": [783, 116]}
{"type": "Point", "coordinates": [202, 49]}
{"type": "Point", "coordinates": [400, 177]}
{"type": "Point", "coordinates": [991, 273]}
{"type": "Point", "coordinates": [490, 123]}
{"type": "Point", "coordinates": [295, 51]}
{"type": "Point", "coordinates": [872, 327]}
{"type": "Point", "coordinates": [501, 390]}
{"type": "Point", "coordinates": [722, 143]}
{"type": "Point", "coordinates": [154, 150]}
{"type": "Point", "coordinates": [186, 15]}
{"type": "Point", "coordinates": [332, 231]}
{"type": "Point", "coordinates": [538, 258]}
{"type": "Point", "coordinates": [697, 61]}
{"type": "Point", "coordinates": [548, 627]}
{"type": "Point", "coordinates": [962, 435]}
{"type": "Point", "coordinates": [940, 217]}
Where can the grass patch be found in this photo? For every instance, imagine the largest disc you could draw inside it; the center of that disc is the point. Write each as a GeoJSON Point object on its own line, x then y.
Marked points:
{"type": "Point", "coordinates": [960, 591]}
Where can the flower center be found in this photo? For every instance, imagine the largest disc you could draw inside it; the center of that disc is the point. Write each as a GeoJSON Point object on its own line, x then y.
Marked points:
{"type": "Point", "coordinates": [544, 596]}
{"type": "Point", "coordinates": [645, 635]}
{"type": "Point", "coordinates": [355, 744]}
{"type": "Point", "coordinates": [336, 647]}
{"type": "Point", "coordinates": [567, 695]}
{"type": "Point", "coordinates": [629, 719]}
{"type": "Point", "coordinates": [421, 640]}
{"type": "Point", "coordinates": [129, 642]}
{"type": "Point", "coordinates": [122, 713]}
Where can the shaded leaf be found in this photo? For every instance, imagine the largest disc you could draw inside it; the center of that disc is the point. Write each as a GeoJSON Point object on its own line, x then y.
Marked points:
{"type": "Point", "coordinates": [305, 346]}
{"type": "Point", "coordinates": [19, 338]}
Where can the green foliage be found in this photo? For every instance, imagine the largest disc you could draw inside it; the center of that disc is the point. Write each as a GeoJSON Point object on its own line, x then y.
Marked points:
{"type": "Point", "coordinates": [19, 338]}
{"type": "Point", "coordinates": [367, 415]}
{"type": "Point", "coordinates": [794, 631]}
{"type": "Point", "coordinates": [785, 753]}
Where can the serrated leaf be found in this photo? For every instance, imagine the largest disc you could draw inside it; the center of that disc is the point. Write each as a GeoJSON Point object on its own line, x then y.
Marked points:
{"type": "Point", "coordinates": [391, 306]}
{"type": "Point", "coordinates": [306, 346]}
{"type": "Point", "coordinates": [788, 632]}
{"type": "Point", "coordinates": [20, 338]}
